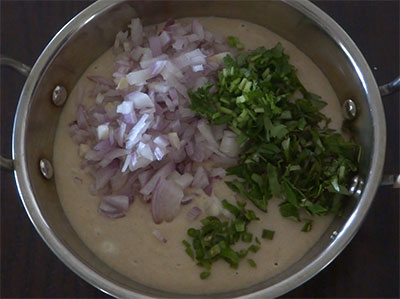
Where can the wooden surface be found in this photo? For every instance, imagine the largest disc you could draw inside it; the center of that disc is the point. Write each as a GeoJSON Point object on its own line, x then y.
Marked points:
{"type": "Point", "coordinates": [368, 267]}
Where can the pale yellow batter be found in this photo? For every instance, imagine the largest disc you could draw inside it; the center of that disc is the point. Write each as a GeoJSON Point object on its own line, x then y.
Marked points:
{"type": "Point", "coordinates": [128, 245]}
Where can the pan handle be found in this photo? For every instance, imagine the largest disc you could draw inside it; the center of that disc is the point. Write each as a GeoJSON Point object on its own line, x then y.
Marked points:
{"type": "Point", "coordinates": [385, 90]}
{"type": "Point", "coordinates": [23, 69]}
{"type": "Point", "coordinates": [389, 88]}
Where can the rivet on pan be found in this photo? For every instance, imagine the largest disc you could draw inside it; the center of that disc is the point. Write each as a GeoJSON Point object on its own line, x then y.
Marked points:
{"type": "Point", "coordinates": [46, 168]}
{"type": "Point", "coordinates": [334, 235]}
{"type": "Point", "coordinates": [359, 188]}
{"type": "Point", "coordinates": [354, 184]}
{"type": "Point", "coordinates": [349, 109]}
{"type": "Point", "coordinates": [59, 95]}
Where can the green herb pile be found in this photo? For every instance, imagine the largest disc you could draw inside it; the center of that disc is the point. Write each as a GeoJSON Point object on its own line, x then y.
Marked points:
{"type": "Point", "coordinates": [214, 240]}
{"type": "Point", "coordinates": [288, 150]}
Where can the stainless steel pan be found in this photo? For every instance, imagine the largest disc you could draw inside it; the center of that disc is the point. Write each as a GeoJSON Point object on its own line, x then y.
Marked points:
{"type": "Point", "coordinates": [66, 57]}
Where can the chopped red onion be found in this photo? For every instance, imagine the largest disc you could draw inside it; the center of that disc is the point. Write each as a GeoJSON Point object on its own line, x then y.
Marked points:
{"type": "Point", "coordinates": [120, 202]}
{"type": "Point", "coordinates": [136, 32]}
{"type": "Point", "coordinates": [166, 201]}
{"type": "Point", "coordinates": [162, 173]}
{"type": "Point", "coordinates": [184, 180]}
{"type": "Point", "coordinates": [140, 100]}
{"type": "Point", "coordinates": [110, 211]}
{"type": "Point", "coordinates": [159, 236]}
{"type": "Point", "coordinates": [78, 180]}
{"type": "Point", "coordinates": [155, 45]}
{"type": "Point", "coordinates": [141, 130]}
{"type": "Point", "coordinates": [208, 189]}
{"type": "Point", "coordinates": [200, 179]}
{"type": "Point", "coordinates": [101, 80]}
{"type": "Point", "coordinates": [147, 63]}
{"type": "Point", "coordinates": [206, 132]}
{"type": "Point", "coordinates": [187, 199]}
{"type": "Point", "coordinates": [194, 213]}
{"type": "Point", "coordinates": [218, 172]}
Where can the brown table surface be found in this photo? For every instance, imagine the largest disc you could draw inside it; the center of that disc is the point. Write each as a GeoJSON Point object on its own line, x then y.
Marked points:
{"type": "Point", "coordinates": [368, 267]}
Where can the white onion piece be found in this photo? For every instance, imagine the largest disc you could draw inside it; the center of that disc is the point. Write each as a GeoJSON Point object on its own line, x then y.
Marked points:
{"type": "Point", "coordinates": [229, 145]}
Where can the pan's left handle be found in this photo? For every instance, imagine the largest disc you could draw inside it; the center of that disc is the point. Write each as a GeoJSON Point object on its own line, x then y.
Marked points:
{"type": "Point", "coordinates": [23, 69]}
{"type": "Point", "coordinates": [385, 90]}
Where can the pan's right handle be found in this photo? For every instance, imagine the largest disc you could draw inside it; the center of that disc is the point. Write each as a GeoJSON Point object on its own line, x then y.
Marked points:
{"type": "Point", "coordinates": [389, 88]}
{"type": "Point", "coordinates": [385, 90]}
{"type": "Point", "coordinates": [24, 70]}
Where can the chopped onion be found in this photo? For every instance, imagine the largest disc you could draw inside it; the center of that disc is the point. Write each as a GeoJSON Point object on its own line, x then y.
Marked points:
{"type": "Point", "coordinates": [205, 131]}
{"type": "Point", "coordinates": [187, 199]}
{"type": "Point", "coordinates": [140, 134]}
{"type": "Point", "coordinates": [229, 145]}
{"type": "Point", "coordinates": [159, 236]}
{"type": "Point", "coordinates": [140, 100]}
{"type": "Point", "coordinates": [166, 201]}
{"type": "Point", "coordinates": [174, 140]}
{"type": "Point", "coordinates": [120, 202]}
{"type": "Point", "coordinates": [200, 179]}
{"type": "Point", "coordinates": [160, 174]}
{"type": "Point", "coordinates": [194, 213]}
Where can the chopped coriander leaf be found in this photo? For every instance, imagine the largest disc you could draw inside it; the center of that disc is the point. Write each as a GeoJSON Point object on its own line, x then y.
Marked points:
{"type": "Point", "coordinates": [215, 238]}
{"type": "Point", "coordinates": [287, 148]}
{"type": "Point", "coordinates": [307, 226]}
{"type": "Point", "coordinates": [254, 248]}
{"type": "Point", "coordinates": [235, 43]}
{"type": "Point", "coordinates": [247, 237]}
{"type": "Point", "coordinates": [268, 234]}
{"type": "Point", "coordinates": [205, 274]}
{"type": "Point", "coordinates": [252, 263]}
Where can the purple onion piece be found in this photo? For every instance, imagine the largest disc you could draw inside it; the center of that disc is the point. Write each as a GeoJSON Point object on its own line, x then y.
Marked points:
{"type": "Point", "coordinates": [194, 213]}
